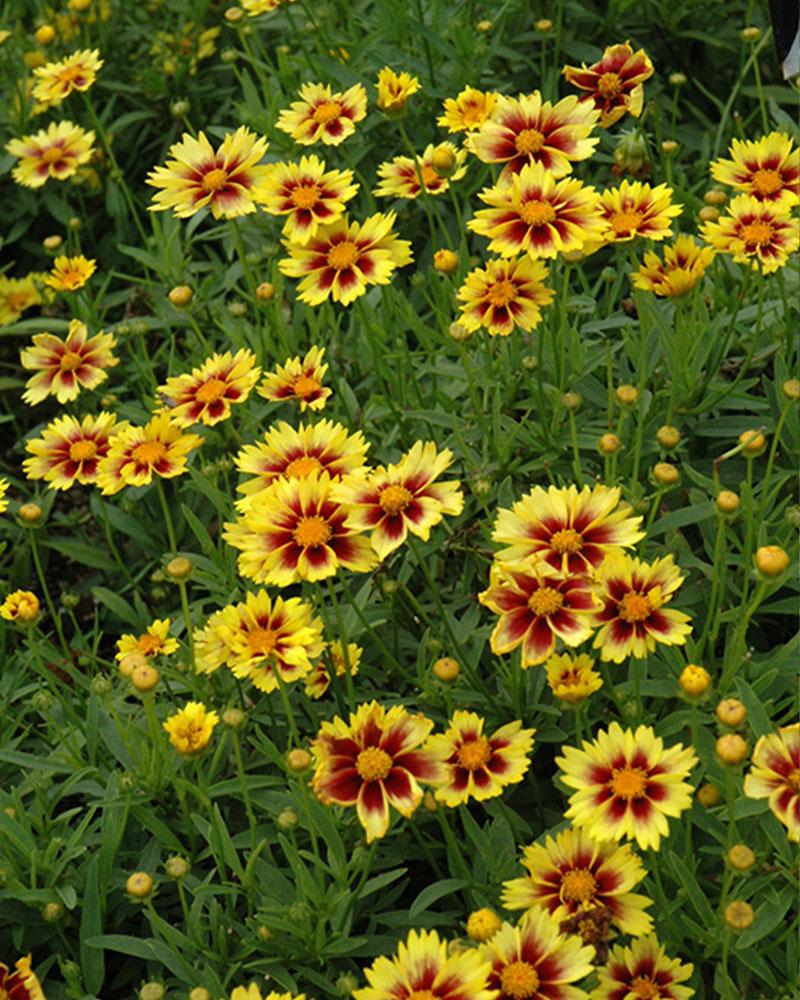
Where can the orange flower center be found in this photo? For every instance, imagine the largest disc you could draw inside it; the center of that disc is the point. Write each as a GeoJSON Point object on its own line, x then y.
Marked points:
{"type": "Point", "coordinates": [625, 222]}
{"type": "Point", "coordinates": [326, 112]}
{"type": "Point", "coordinates": [70, 73]}
{"type": "Point", "coordinates": [567, 540]}
{"type": "Point", "coordinates": [305, 196]}
{"type": "Point", "coordinates": [578, 886]}
{"type": "Point", "coordinates": [302, 467]}
{"type": "Point", "coordinates": [529, 140]}
{"type": "Point", "coordinates": [628, 783]}
{"type": "Point", "coordinates": [643, 988]}
{"type": "Point", "coordinates": [766, 182]}
{"type": "Point", "coordinates": [70, 360]}
{"type": "Point", "coordinates": [634, 607]}
{"type": "Point", "coordinates": [304, 386]}
{"type": "Point", "coordinates": [343, 255]}
{"type": "Point", "coordinates": [793, 780]}
{"type": "Point", "coordinates": [53, 154]}
{"type": "Point", "coordinates": [609, 85]}
{"type": "Point", "coordinates": [473, 114]}
{"type": "Point", "coordinates": [757, 234]}
{"type": "Point", "coordinates": [211, 391]}
{"type": "Point", "coordinates": [148, 644]}
{"type": "Point", "coordinates": [79, 451]}
{"type": "Point", "coordinates": [215, 180]}
{"type": "Point", "coordinates": [501, 293]}
{"type": "Point", "coordinates": [519, 980]}
{"type": "Point", "coordinates": [421, 995]}
{"type": "Point", "coordinates": [17, 301]}
{"type": "Point", "coordinates": [545, 601]}
{"type": "Point", "coordinates": [149, 452]}
{"type": "Point", "coordinates": [475, 754]}
{"type": "Point", "coordinates": [429, 175]}
{"type": "Point", "coordinates": [537, 213]}
{"type": "Point", "coordinates": [373, 764]}
{"type": "Point", "coordinates": [311, 532]}
{"type": "Point", "coordinates": [395, 499]}
{"type": "Point", "coordinates": [262, 641]}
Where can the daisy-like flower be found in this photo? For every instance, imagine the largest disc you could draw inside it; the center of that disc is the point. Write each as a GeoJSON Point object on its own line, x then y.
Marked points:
{"type": "Point", "coordinates": [207, 393]}
{"type": "Point", "coordinates": [642, 970]}
{"type": "Point", "coordinates": [56, 151]}
{"type": "Point", "coordinates": [156, 641]}
{"type": "Point", "coordinates": [190, 729]}
{"type": "Point", "coordinates": [536, 606]}
{"type": "Point", "coordinates": [196, 176]}
{"type": "Point", "coordinates": [476, 766]}
{"type": "Point", "coordinates": [69, 450]}
{"type": "Point", "coordinates": [532, 212]}
{"type": "Point", "coordinates": [300, 380]}
{"type": "Point", "coordinates": [504, 295]}
{"type": "Point", "coordinates": [627, 784]}
{"type": "Point", "coordinates": [632, 596]}
{"type": "Point", "coordinates": [775, 775]}
{"type": "Point", "coordinates": [70, 273]}
{"type": "Point", "coordinates": [21, 984]}
{"type": "Point", "coordinates": [635, 209]}
{"type": "Point", "coordinates": [767, 168]}
{"type": "Point", "coordinates": [319, 680]}
{"type": "Point", "coordinates": [571, 874]}
{"type": "Point", "coordinates": [256, 7]}
{"type": "Point", "coordinates": [307, 194]}
{"type": "Point", "coordinates": [389, 502]}
{"type": "Point", "coordinates": [17, 295]}
{"type": "Point", "coordinates": [295, 530]}
{"type": "Point", "coordinates": [136, 454]}
{"type": "Point", "coordinates": [345, 257]}
{"type": "Point", "coordinates": [527, 130]}
{"type": "Point", "coordinates": [375, 760]}
{"type": "Point", "coordinates": [394, 89]}
{"type": "Point", "coordinates": [64, 367]}
{"type": "Point", "coordinates": [20, 606]}
{"type": "Point", "coordinates": [4, 484]}
{"type": "Point", "coordinates": [684, 264]}
{"type": "Point", "coordinates": [57, 80]}
{"type": "Point", "coordinates": [760, 233]}
{"type": "Point", "coordinates": [468, 111]}
{"type": "Point", "coordinates": [323, 116]}
{"type": "Point", "coordinates": [402, 177]}
{"type": "Point", "coordinates": [615, 83]}
{"type": "Point", "coordinates": [571, 678]}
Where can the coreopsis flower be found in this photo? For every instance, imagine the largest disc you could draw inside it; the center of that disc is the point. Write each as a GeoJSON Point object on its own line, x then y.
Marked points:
{"type": "Point", "coordinates": [190, 729]}
{"type": "Point", "coordinates": [389, 502]}
{"type": "Point", "coordinates": [319, 680]}
{"type": "Point", "coordinates": [468, 111]}
{"type": "Point", "coordinates": [155, 641]}
{"type": "Point", "coordinates": [394, 89]}
{"type": "Point", "coordinates": [627, 784]}
{"type": "Point", "coordinates": [684, 264]}
{"type": "Point", "coordinates": [635, 209]}
{"type": "Point", "coordinates": [572, 873]}
{"type": "Point", "coordinates": [643, 969]}
{"type": "Point", "coordinates": [404, 177]}
{"type": "Point", "coordinates": [475, 766]}
{"type": "Point", "coordinates": [571, 678]}
{"type": "Point", "coordinates": [70, 273]}
{"type": "Point", "coordinates": [260, 636]}
{"type": "Point", "coordinates": [20, 606]}
{"type": "Point", "coordinates": [256, 7]}
{"type": "Point", "coordinates": [57, 80]}
{"type": "Point", "coordinates": [345, 257]}
{"type": "Point", "coordinates": [4, 484]}
{"type": "Point", "coordinates": [307, 194]}
{"type": "Point", "coordinates": [760, 233]}
{"type": "Point", "coordinates": [425, 969]}
{"type": "Point", "coordinates": [21, 984]}
{"type": "Point", "coordinates": [69, 450]}
{"type": "Point", "coordinates": [571, 530]}
{"type": "Point", "coordinates": [56, 151]}
{"type": "Point", "coordinates": [226, 180]}
{"type": "Point", "coordinates": [504, 295]}
{"type": "Point", "coordinates": [295, 530]}
{"type": "Point", "coordinates": [527, 130]}
{"type": "Point", "coordinates": [536, 606]}
{"type": "Point", "coordinates": [136, 454]}
{"type": "Point", "coordinates": [206, 394]}
{"type": "Point", "coordinates": [614, 83]}
{"type": "Point", "coordinates": [767, 168]}
{"type": "Point", "coordinates": [322, 115]}
{"type": "Point", "coordinates": [17, 295]}
{"type": "Point", "coordinates": [532, 212]}
{"type": "Point", "coordinates": [775, 775]}
{"type": "Point", "coordinates": [300, 380]}
{"type": "Point", "coordinates": [64, 367]}
{"type": "Point", "coordinates": [632, 616]}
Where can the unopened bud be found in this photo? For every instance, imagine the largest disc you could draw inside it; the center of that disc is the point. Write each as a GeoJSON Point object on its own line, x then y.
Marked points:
{"type": "Point", "coordinates": [144, 677]}
{"type": "Point", "coordinates": [732, 748]}
{"type": "Point", "coordinates": [751, 34]}
{"type": "Point", "coordinates": [609, 444]}
{"type": "Point", "coordinates": [668, 437]}
{"type": "Point", "coordinates": [666, 474]}
{"type": "Point", "coordinates": [447, 669]}
{"type": "Point", "coordinates": [139, 885]}
{"type": "Point", "coordinates": [771, 560]}
{"type": "Point", "coordinates": [731, 712]}
{"type": "Point", "coordinates": [30, 513]}
{"type": "Point", "coordinates": [669, 146]}
{"type": "Point", "coordinates": [444, 160]}
{"type": "Point", "coordinates": [694, 680]}
{"type": "Point", "coordinates": [234, 718]}
{"type": "Point", "coordinates": [180, 295]}
{"type": "Point", "coordinates": [739, 915]}
{"type": "Point", "coordinates": [753, 443]}
{"type": "Point", "coordinates": [179, 568]}
{"type": "Point", "coordinates": [265, 291]}
{"type": "Point", "coordinates": [298, 760]}
{"type": "Point", "coordinates": [741, 857]}
{"type": "Point", "coordinates": [715, 197]}
{"type": "Point", "coordinates": [177, 867]}
{"type": "Point", "coordinates": [791, 389]}
{"type": "Point", "coordinates": [445, 261]}
{"type": "Point", "coordinates": [708, 213]}
{"type": "Point", "coordinates": [727, 502]}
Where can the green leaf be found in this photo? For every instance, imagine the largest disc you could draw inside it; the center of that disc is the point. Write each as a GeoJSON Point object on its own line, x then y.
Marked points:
{"type": "Point", "coordinates": [93, 964]}
{"type": "Point", "coordinates": [768, 917]}
{"type": "Point", "coordinates": [147, 948]}
{"type": "Point", "coordinates": [431, 893]}
{"type": "Point", "coordinates": [119, 606]}
{"type": "Point", "coordinates": [81, 552]}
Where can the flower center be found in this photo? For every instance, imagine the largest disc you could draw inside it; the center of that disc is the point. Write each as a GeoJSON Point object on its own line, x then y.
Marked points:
{"type": "Point", "coordinates": [70, 360]}
{"type": "Point", "coordinates": [421, 995]}
{"type": "Point", "coordinates": [545, 601]}
{"type": "Point", "coordinates": [643, 988]}
{"type": "Point", "coordinates": [304, 386]}
{"type": "Point", "coordinates": [501, 293]}
{"type": "Point", "coordinates": [211, 391]}
{"type": "Point", "coordinates": [343, 255]}
{"type": "Point", "coordinates": [578, 886]}
{"type": "Point", "coordinates": [429, 175]}
{"type": "Point", "coordinates": [625, 222]}
{"type": "Point", "coordinates": [567, 540]}
{"type": "Point", "coordinates": [70, 74]}
{"type": "Point", "coordinates": [473, 114]}
{"type": "Point", "coordinates": [757, 234]}
{"type": "Point", "coordinates": [628, 783]}
{"type": "Point", "coordinates": [262, 641]}
{"type": "Point", "coordinates": [395, 499]}
{"type": "Point", "coordinates": [215, 180]}
{"type": "Point", "coordinates": [609, 85]}
{"type": "Point", "coordinates": [519, 980]}
{"type": "Point", "coordinates": [529, 140]}
{"type": "Point", "coordinates": [81, 450]}
{"type": "Point", "coordinates": [148, 452]}
{"type": "Point", "coordinates": [53, 154]}
{"type": "Point", "coordinates": [634, 607]}
{"type": "Point", "coordinates": [148, 644]}
{"type": "Point", "coordinates": [311, 532]}
{"type": "Point", "coordinates": [537, 213]}
{"type": "Point", "coordinates": [475, 754]}
{"type": "Point", "coordinates": [326, 112]}
{"type": "Point", "coordinates": [793, 779]}
{"type": "Point", "coordinates": [766, 182]}
{"type": "Point", "coordinates": [302, 467]}
{"type": "Point", "coordinates": [373, 764]}
{"type": "Point", "coordinates": [17, 301]}
{"type": "Point", "coordinates": [305, 196]}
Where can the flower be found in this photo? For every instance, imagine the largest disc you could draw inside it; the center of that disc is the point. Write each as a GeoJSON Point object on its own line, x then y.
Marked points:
{"type": "Point", "coordinates": [571, 678]}
{"type": "Point", "coordinates": [760, 233]}
{"type": "Point", "coordinates": [767, 168]}
{"type": "Point", "coordinates": [295, 530]}
{"type": "Point", "coordinates": [505, 295]}
{"type": "Point", "coordinates": [253, 8]}
{"type": "Point", "coordinates": [683, 266]}
{"type": "Point", "coordinates": [614, 83]}
{"type": "Point", "coordinates": [64, 367]}
{"type": "Point", "coordinates": [136, 453]}
{"type": "Point", "coordinates": [468, 111]}
{"type": "Point", "coordinates": [323, 116]}
{"type": "Point", "coordinates": [483, 924]}
{"type": "Point", "coordinates": [56, 151]}
{"type": "Point", "coordinates": [4, 484]}
{"type": "Point", "coordinates": [527, 130]}
{"type": "Point", "coordinates": [535, 606]}
{"type": "Point", "coordinates": [632, 595]}
{"type": "Point", "coordinates": [571, 874]}
{"type": "Point", "coordinates": [70, 273]}
{"type": "Point", "coordinates": [344, 257]}
{"type": "Point", "coordinates": [156, 641]}
{"type": "Point", "coordinates": [69, 450]}
{"type": "Point", "coordinates": [298, 380]}
{"type": "Point", "coordinates": [17, 295]}
{"type": "Point", "coordinates": [57, 80]}
{"type": "Point", "coordinates": [635, 209]}
{"type": "Point", "coordinates": [190, 728]}
{"type": "Point", "coordinates": [207, 393]}
{"type": "Point", "coordinates": [627, 784]}
{"type": "Point", "coordinates": [318, 682]}
{"type": "Point", "coordinates": [775, 775]}
{"type": "Point", "coordinates": [20, 606]}
{"type": "Point", "coordinates": [373, 761]}
{"type": "Point", "coordinates": [404, 177]}
{"type": "Point", "coordinates": [532, 212]}
{"type": "Point", "coordinates": [394, 89]}
{"type": "Point", "coordinates": [393, 500]}
{"type": "Point", "coordinates": [226, 180]}
{"type": "Point", "coordinates": [307, 194]}
{"type": "Point", "coordinates": [642, 970]}
{"type": "Point", "coordinates": [476, 766]}
{"type": "Point", "coordinates": [21, 984]}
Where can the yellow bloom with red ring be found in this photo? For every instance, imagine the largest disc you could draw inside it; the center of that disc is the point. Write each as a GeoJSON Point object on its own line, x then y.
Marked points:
{"type": "Point", "coordinates": [155, 641]}
{"type": "Point", "coordinates": [643, 969]}
{"type": "Point", "coordinates": [614, 83]}
{"type": "Point", "coordinates": [136, 454]}
{"type": "Point", "coordinates": [206, 394]}
{"type": "Point", "coordinates": [56, 152]}
{"type": "Point", "coordinates": [394, 89]}
{"type": "Point", "coordinates": [571, 678]}
{"type": "Point", "coordinates": [767, 168]}
{"type": "Point", "coordinates": [761, 234]}
{"type": "Point", "coordinates": [17, 295]}
{"type": "Point", "coordinates": [4, 484]}
{"type": "Point", "coordinates": [322, 115]}
{"type": "Point", "coordinates": [468, 111]}
{"type": "Point", "coordinates": [775, 775]}
{"type": "Point", "coordinates": [300, 380]}
{"type": "Point", "coordinates": [404, 177]}
{"type": "Point", "coordinates": [684, 264]}
{"type": "Point", "coordinates": [70, 450]}
{"type": "Point", "coordinates": [307, 194]}
{"type": "Point", "coordinates": [64, 367]}
{"type": "Point", "coordinates": [21, 984]}
{"type": "Point", "coordinates": [70, 273]}
{"type": "Point", "coordinates": [635, 209]}
{"type": "Point", "coordinates": [190, 729]}
{"type": "Point", "coordinates": [20, 606]}
{"type": "Point", "coordinates": [319, 680]}
{"type": "Point", "coordinates": [505, 295]}
{"type": "Point", "coordinates": [57, 80]}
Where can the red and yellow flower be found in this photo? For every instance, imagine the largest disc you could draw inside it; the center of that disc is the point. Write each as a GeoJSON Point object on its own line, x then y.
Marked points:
{"type": "Point", "coordinates": [56, 151]}
{"type": "Point", "coordinates": [136, 454]}
{"type": "Point", "coordinates": [323, 116]}
{"type": "Point", "coordinates": [614, 83]}
{"type": "Point", "coordinates": [394, 89]}
{"type": "Point", "coordinates": [404, 177]}
{"type": "Point", "coordinates": [319, 680]}
{"type": "Point", "coordinates": [57, 80]}
{"type": "Point", "coordinates": [571, 678]}
{"type": "Point", "coordinates": [768, 169]}
{"type": "Point", "coordinates": [775, 775]}
{"type": "Point", "coordinates": [468, 111]}
{"type": "Point", "coordinates": [17, 295]}
{"type": "Point", "coordinates": [70, 450]}
{"type": "Point", "coordinates": [684, 264]}
{"type": "Point", "coordinates": [642, 970]}
{"type": "Point", "coordinates": [155, 641]}
{"type": "Point", "coordinates": [300, 380]}
{"type": "Point", "coordinates": [190, 728]}
{"type": "Point", "coordinates": [206, 394]}
{"type": "Point", "coordinates": [307, 194]}
{"type": "Point", "coordinates": [70, 273]}
{"type": "Point", "coordinates": [760, 233]}
{"type": "Point", "coordinates": [64, 367]}
{"type": "Point", "coordinates": [635, 209]}
{"type": "Point", "coordinates": [504, 295]}
{"type": "Point", "coordinates": [21, 984]}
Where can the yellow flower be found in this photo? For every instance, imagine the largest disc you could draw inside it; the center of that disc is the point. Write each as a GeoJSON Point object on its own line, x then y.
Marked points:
{"type": "Point", "coordinates": [64, 367]}
{"type": "Point", "coordinates": [135, 454]}
{"type": "Point", "coordinates": [3, 500]}
{"type": "Point", "coordinates": [70, 450]}
{"type": "Point", "coordinates": [395, 89]}
{"type": "Point", "coordinates": [571, 678]}
{"type": "Point", "coordinates": [505, 295]}
{"type": "Point", "coordinates": [156, 641]}
{"type": "Point", "coordinates": [635, 209]}
{"type": "Point", "coordinates": [402, 177]}
{"type": "Point", "coordinates": [768, 169]}
{"type": "Point", "coordinates": [20, 606]}
{"type": "Point", "coordinates": [760, 233]}
{"type": "Point", "coordinates": [70, 273]}
{"type": "Point", "coordinates": [17, 295]}
{"type": "Point", "coordinates": [56, 151]}
{"type": "Point", "coordinates": [468, 111]}
{"type": "Point", "coordinates": [300, 380]}
{"type": "Point", "coordinates": [683, 266]}
{"type": "Point", "coordinates": [206, 394]}
{"type": "Point", "coordinates": [191, 728]}
{"type": "Point", "coordinates": [57, 80]}
{"type": "Point", "coordinates": [307, 194]}
{"type": "Point", "coordinates": [322, 115]}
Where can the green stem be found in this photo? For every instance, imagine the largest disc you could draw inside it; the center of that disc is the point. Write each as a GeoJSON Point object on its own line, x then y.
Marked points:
{"type": "Point", "coordinates": [348, 671]}
{"type": "Point", "coordinates": [37, 561]}
{"type": "Point", "coordinates": [248, 805]}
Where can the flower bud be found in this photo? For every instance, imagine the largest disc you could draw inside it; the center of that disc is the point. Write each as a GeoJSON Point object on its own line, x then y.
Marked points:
{"type": "Point", "coordinates": [180, 295]}
{"type": "Point", "coordinates": [732, 748]}
{"type": "Point", "coordinates": [179, 568]}
{"type": "Point", "coordinates": [234, 14]}
{"type": "Point", "coordinates": [388, 587]}
{"type": "Point", "coordinates": [264, 933]}
{"type": "Point", "coordinates": [791, 389]}
{"type": "Point", "coordinates": [609, 444]}
{"type": "Point", "coordinates": [299, 760]}
{"type": "Point", "coordinates": [444, 160]}
{"type": "Point", "coordinates": [30, 513]}
{"type": "Point", "coordinates": [100, 685]}
{"type": "Point", "coordinates": [709, 796]}
{"type": "Point", "coordinates": [45, 34]}
{"type": "Point", "coordinates": [571, 400]}
{"type": "Point", "coordinates": [666, 474]}
{"type": "Point", "coordinates": [727, 502]}
{"type": "Point", "coordinates": [753, 443]}
{"type": "Point", "coordinates": [234, 718]}
{"type": "Point", "coordinates": [139, 885]}
{"type": "Point", "coordinates": [708, 213]}
{"type": "Point", "coordinates": [626, 395]}
{"type": "Point", "coordinates": [741, 857]}
{"type": "Point", "coordinates": [152, 991]}
{"type": "Point", "coordinates": [630, 156]}
{"type": "Point", "coordinates": [669, 146]}
{"type": "Point", "coordinates": [739, 915]}
{"type": "Point", "coordinates": [483, 26]}
{"type": "Point", "coordinates": [715, 197]}
{"type": "Point", "coordinates": [677, 79]}
{"type": "Point", "coordinates": [771, 560]}
{"type": "Point", "coordinates": [483, 924]}
{"type": "Point", "coordinates": [42, 701]}
{"type": "Point", "coordinates": [731, 712]}
{"type": "Point", "coordinates": [346, 984]}
{"type": "Point", "coordinates": [447, 669]}
{"type": "Point", "coordinates": [199, 993]}
{"type": "Point", "coordinates": [265, 291]}
{"type": "Point", "coordinates": [543, 25]}
{"type": "Point", "coordinates": [144, 677]}
{"type": "Point", "coordinates": [750, 34]}
{"type": "Point", "coordinates": [179, 108]}
{"type": "Point", "coordinates": [458, 332]}
{"type": "Point", "coordinates": [429, 803]}
{"type": "Point", "coordinates": [34, 59]}
{"type": "Point", "coordinates": [237, 309]}
{"type": "Point", "coordinates": [51, 912]}
{"type": "Point", "coordinates": [482, 487]}
{"type": "Point", "coordinates": [668, 437]}
{"type": "Point", "coordinates": [445, 261]}
{"type": "Point", "coordinates": [177, 867]}
{"type": "Point", "coordinates": [694, 680]}
{"type": "Point", "coordinates": [52, 243]}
